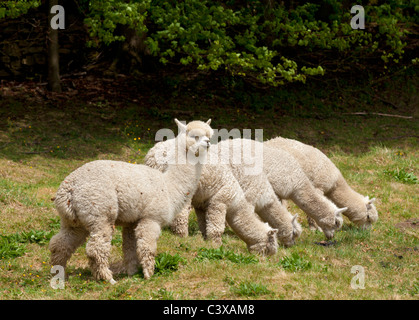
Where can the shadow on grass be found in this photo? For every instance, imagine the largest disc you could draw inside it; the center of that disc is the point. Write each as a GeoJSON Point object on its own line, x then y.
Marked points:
{"type": "Point", "coordinates": [87, 126]}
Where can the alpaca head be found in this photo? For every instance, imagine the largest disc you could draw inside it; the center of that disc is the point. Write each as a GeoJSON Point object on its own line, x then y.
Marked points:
{"type": "Point", "coordinates": [269, 245]}
{"type": "Point", "coordinates": [195, 135]}
{"type": "Point", "coordinates": [369, 214]}
{"type": "Point", "coordinates": [288, 240]}
{"type": "Point", "coordinates": [329, 231]}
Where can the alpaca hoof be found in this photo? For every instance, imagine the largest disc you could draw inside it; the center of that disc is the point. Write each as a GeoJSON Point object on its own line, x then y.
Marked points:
{"type": "Point", "coordinates": [112, 281]}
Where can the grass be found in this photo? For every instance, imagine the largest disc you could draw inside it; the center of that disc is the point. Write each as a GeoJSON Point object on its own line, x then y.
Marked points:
{"type": "Point", "coordinates": [294, 263]}
{"type": "Point", "coordinates": [402, 176]}
{"type": "Point", "coordinates": [40, 144]}
{"type": "Point", "coordinates": [208, 254]}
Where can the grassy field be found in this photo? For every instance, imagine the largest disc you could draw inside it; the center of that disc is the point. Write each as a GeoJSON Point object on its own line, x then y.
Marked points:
{"type": "Point", "coordinates": [42, 141]}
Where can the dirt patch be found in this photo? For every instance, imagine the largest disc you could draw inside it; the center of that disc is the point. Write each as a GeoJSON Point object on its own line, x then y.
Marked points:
{"type": "Point", "coordinates": [410, 223]}
{"type": "Point", "coordinates": [326, 243]}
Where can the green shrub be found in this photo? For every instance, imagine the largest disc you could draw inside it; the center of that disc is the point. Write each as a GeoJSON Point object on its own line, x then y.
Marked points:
{"type": "Point", "coordinates": [270, 44]}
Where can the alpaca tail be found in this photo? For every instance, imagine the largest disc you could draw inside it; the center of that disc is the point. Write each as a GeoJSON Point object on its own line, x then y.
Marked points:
{"type": "Point", "coordinates": [63, 204]}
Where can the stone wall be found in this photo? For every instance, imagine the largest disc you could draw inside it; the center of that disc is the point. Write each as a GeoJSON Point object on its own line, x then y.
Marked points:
{"type": "Point", "coordinates": [23, 45]}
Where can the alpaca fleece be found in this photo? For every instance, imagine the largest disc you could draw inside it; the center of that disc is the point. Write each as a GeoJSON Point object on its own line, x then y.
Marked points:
{"type": "Point", "coordinates": [101, 194]}
{"type": "Point", "coordinates": [328, 179]}
{"type": "Point", "coordinates": [218, 198]}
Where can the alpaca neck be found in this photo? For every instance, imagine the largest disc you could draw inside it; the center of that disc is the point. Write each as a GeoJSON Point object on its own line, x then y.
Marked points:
{"type": "Point", "coordinates": [182, 181]}
{"type": "Point", "coordinates": [344, 196]}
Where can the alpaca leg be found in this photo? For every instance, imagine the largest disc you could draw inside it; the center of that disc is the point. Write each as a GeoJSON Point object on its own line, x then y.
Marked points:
{"type": "Point", "coordinates": [63, 244]}
{"type": "Point", "coordinates": [201, 218]}
{"type": "Point", "coordinates": [147, 233]}
{"type": "Point", "coordinates": [129, 249]}
{"type": "Point", "coordinates": [216, 221]}
{"type": "Point", "coordinates": [258, 236]}
{"type": "Point", "coordinates": [98, 249]}
{"type": "Point", "coordinates": [180, 224]}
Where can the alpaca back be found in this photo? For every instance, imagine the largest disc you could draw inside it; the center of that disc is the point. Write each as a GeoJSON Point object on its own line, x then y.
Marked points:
{"type": "Point", "coordinates": [320, 170]}
{"type": "Point", "coordinates": [120, 191]}
{"type": "Point", "coordinates": [254, 183]}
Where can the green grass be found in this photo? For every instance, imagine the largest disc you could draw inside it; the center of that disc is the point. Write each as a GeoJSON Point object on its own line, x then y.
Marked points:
{"type": "Point", "coordinates": [250, 289]}
{"type": "Point", "coordinates": [295, 262]}
{"type": "Point", "coordinates": [166, 263]}
{"type": "Point", "coordinates": [208, 254]}
{"type": "Point", "coordinates": [402, 176]}
{"type": "Point", "coordinates": [41, 144]}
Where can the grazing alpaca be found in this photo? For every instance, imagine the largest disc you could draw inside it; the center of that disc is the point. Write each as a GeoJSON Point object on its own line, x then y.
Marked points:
{"type": "Point", "coordinates": [218, 198]}
{"type": "Point", "coordinates": [101, 194]}
{"type": "Point", "coordinates": [327, 178]}
{"type": "Point", "coordinates": [212, 200]}
{"type": "Point", "coordinates": [281, 175]}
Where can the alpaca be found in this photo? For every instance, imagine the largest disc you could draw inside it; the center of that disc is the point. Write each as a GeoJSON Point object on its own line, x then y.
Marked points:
{"type": "Point", "coordinates": [288, 181]}
{"type": "Point", "coordinates": [328, 179]}
{"type": "Point", "coordinates": [216, 174]}
{"type": "Point", "coordinates": [101, 194]}
{"type": "Point", "coordinates": [219, 198]}
{"type": "Point", "coordinates": [247, 168]}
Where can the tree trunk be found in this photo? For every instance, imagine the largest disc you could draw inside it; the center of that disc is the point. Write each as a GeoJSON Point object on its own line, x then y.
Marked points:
{"type": "Point", "coordinates": [54, 83]}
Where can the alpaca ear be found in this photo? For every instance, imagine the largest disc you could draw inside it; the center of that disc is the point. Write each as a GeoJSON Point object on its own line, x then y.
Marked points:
{"type": "Point", "coordinates": [181, 126]}
{"type": "Point", "coordinates": [208, 122]}
{"type": "Point", "coordinates": [294, 219]}
{"type": "Point", "coordinates": [339, 211]}
{"type": "Point", "coordinates": [369, 202]}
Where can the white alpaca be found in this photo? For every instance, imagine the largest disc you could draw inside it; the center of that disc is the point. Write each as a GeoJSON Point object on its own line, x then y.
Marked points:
{"type": "Point", "coordinates": [101, 194]}
{"type": "Point", "coordinates": [327, 178]}
{"type": "Point", "coordinates": [218, 198]}
{"type": "Point", "coordinates": [215, 187]}
{"type": "Point", "coordinates": [287, 180]}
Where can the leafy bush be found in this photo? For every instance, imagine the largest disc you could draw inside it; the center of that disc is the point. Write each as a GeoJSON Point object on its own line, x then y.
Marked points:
{"type": "Point", "coordinates": [295, 263]}
{"type": "Point", "coordinates": [264, 43]}
{"type": "Point", "coordinates": [270, 43]}
{"type": "Point", "coordinates": [15, 8]}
